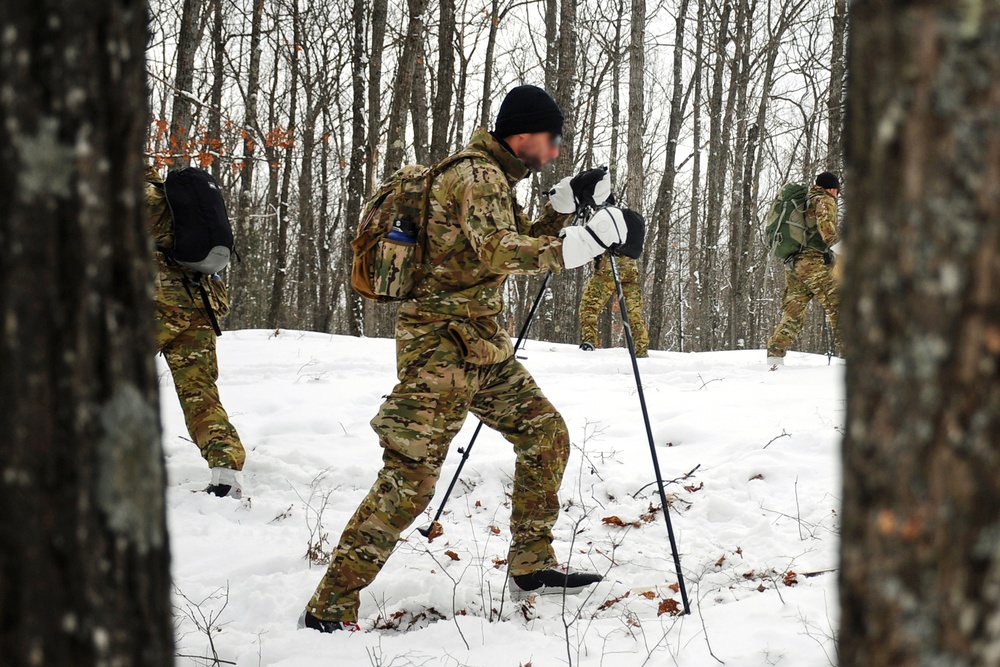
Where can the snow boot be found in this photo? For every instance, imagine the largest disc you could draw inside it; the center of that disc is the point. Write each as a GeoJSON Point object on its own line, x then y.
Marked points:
{"type": "Point", "coordinates": [553, 581]}
{"type": "Point", "coordinates": [587, 347]}
{"type": "Point", "coordinates": [307, 620]}
{"type": "Point", "coordinates": [227, 483]}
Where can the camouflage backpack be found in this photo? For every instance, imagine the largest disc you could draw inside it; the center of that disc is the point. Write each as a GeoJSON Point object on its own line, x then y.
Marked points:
{"type": "Point", "coordinates": [391, 242]}
{"type": "Point", "coordinates": [789, 230]}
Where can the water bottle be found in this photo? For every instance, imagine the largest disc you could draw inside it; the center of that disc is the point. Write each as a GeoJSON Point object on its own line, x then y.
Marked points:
{"type": "Point", "coordinates": [403, 231]}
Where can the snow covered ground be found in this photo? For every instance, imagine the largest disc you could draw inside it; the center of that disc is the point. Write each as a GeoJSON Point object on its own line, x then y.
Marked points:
{"type": "Point", "coordinates": [761, 504]}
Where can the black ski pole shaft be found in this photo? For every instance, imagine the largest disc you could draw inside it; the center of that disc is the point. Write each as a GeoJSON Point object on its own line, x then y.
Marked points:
{"type": "Point", "coordinates": [428, 530]}
{"type": "Point", "coordinates": [626, 325]}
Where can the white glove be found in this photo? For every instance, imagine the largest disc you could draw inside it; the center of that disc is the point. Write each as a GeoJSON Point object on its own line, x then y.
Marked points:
{"type": "Point", "coordinates": [561, 196]}
{"type": "Point", "coordinates": [837, 247]}
{"type": "Point", "coordinates": [581, 244]}
{"type": "Point", "coordinates": [590, 187]}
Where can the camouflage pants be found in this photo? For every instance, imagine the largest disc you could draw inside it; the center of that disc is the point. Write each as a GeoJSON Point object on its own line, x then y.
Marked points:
{"type": "Point", "coordinates": [415, 425]}
{"type": "Point", "coordinates": [807, 278]}
{"type": "Point", "coordinates": [187, 341]}
{"type": "Point", "coordinates": [600, 288]}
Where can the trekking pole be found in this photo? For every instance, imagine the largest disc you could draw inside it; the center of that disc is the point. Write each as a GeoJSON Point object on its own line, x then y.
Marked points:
{"type": "Point", "coordinates": [649, 432]}
{"type": "Point", "coordinates": [434, 528]}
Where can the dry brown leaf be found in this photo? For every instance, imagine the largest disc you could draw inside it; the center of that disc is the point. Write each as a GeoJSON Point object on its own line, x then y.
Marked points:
{"type": "Point", "coordinates": [452, 555]}
{"type": "Point", "coordinates": [669, 606]}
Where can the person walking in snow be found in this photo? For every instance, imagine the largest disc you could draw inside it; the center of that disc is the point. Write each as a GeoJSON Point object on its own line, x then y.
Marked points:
{"type": "Point", "coordinates": [453, 356]}
{"type": "Point", "coordinates": [186, 337]}
{"type": "Point", "coordinates": [600, 288]}
{"type": "Point", "coordinates": [808, 272]}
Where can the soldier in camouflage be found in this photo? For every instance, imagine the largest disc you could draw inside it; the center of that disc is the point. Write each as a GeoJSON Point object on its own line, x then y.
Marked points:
{"type": "Point", "coordinates": [808, 273]}
{"type": "Point", "coordinates": [185, 337]}
{"type": "Point", "coordinates": [453, 357]}
{"type": "Point", "coordinates": [600, 288]}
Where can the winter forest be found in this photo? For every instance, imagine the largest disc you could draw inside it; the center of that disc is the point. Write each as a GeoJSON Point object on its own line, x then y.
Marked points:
{"type": "Point", "coordinates": [701, 110]}
{"type": "Point", "coordinates": [179, 494]}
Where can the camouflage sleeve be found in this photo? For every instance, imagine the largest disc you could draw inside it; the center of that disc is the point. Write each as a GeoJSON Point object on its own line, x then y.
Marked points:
{"type": "Point", "coordinates": [486, 212]}
{"type": "Point", "coordinates": [549, 223]}
{"type": "Point", "coordinates": [156, 222]}
{"type": "Point", "coordinates": [825, 210]}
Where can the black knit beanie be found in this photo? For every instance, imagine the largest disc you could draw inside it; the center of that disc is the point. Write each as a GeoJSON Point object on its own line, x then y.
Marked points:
{"type": "Point", "coordinates": [526, 110]}
{"type": "Point", "coordinates": [828, 181]}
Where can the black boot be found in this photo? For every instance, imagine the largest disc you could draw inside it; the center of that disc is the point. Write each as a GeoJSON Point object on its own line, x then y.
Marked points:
{"type": "Point", "coordinates": [309, 621]}
{"type": "Point", "coordinates": [553, 580]}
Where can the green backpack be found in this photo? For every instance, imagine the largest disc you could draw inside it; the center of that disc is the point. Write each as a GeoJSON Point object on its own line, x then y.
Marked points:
{"type": "Point", "coordinates": [788, 230]}
{"type": "Point", "coordinates": [389, 249]}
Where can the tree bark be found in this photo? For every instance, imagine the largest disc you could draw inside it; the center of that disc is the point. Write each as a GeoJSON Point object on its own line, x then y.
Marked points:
{"type": "Point", "coordinates": [920, 577]}
{"type": "Point", "coordinates": [84, 559]}
{"type": "Point", "coordinates": [402, 87]}
{"type": "Point", "coordinates": [835, 102]}
{"type": "Point", "coordinates": [246, 237]}
{"type": "Point", "coordinates": [276, 310]}
{"type": "Point", "coordinates": [214, 143]}
{"type": "Point", "coordinates": [355, 182]}
{"type": "Point", "coordinates": [187, 46]}
{"type": "Point", "coordinates": [636, 105]}
{"type": "Point", "coordinates": [442, 105]}
{"type": "Point", "coordinates": [663, 211]}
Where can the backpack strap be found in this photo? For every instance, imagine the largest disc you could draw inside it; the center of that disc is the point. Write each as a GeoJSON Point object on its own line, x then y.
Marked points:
{"type": "Point", "coordinates": [209, 311]}
{"type": "Point", "coordinates": [432, 173]}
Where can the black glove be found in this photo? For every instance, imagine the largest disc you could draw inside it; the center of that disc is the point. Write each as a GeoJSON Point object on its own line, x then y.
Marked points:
{"type": "Point", "coordinates": [591, 187]}
{"type": "Point", "coordinates": [636, 225]}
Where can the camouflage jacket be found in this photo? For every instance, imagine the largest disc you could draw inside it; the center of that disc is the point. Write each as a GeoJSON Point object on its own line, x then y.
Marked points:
{"type": "Point", "coordinates": [822, 209]}
{"type": "Point", "coordinates": [169, 286]}
{"type": "Point", "coordinates": [477, 235]}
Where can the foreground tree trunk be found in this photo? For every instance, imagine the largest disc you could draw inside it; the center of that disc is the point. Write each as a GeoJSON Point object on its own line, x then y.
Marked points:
{"type": "Point", "coordinates": [920, 583]}
{"type": "Point", "coordinates": [84, 565]}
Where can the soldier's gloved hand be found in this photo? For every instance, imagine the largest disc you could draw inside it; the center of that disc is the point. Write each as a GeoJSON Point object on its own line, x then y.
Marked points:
{"type": "Point", "coordinates": [607, 227]}
{"type": "Point", "coordinates": [592, 187]}
{"type": "Point", "coordinates": [588, 188]}
{"type": "Point", "coordinates": [561, 196]}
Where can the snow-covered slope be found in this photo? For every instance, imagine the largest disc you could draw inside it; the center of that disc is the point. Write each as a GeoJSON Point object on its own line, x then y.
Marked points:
{"type": "Point", "coordinates": [761, 503]}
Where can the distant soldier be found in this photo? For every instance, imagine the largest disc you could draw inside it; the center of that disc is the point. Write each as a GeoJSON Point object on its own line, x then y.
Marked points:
{"type": "Point", "coordinates": [453, 357]}
{"type": "Point", "coordinates": [808, 272]}
{"type": "Point", "coordinates": [600, 288]}
{"type": "Point", "coordinates": [186, 337]}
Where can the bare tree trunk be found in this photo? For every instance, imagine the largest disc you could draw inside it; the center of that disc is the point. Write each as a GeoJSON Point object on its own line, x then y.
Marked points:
{"type": "Point", "coordinates": [737, 322]}
{"type": "Point", "coordinates": [636, 105]}
{"type": "Point", "coordinates": [402, 87]}
{"type": "Point", "coordinates": [84, 559]}
{"type": "Point", "coordinates": [354, 180]}
{"type": "Point", "coordinates": [276, 310]}
{"type": "Point", "coordinates": [663, 211]}
{"type": "Point", "coordinates": [442, 105]}
{"type": "Point", "coordinates": [920, 560]}
{"type": "Point", "coordinates": [375, 57]}
{"type": "Point", "coordinates": [418, 107]}
{"type": "Point", "coordinates": [835, 102]}
{"type": "Point", "coordinates": [215, 116]}
{"type": "Point", "coordinates": [616, 79]}
{"type": "Point", "coordinates": [708, 298]}
{"type": "Point", "coordinates": [187, 46]}
{"type": "Point", "coordinates": [247, 242]}
{"type": "Point", "coordinates": [485, 116]}
{"type": "Point", "coordinates": [689, 333]}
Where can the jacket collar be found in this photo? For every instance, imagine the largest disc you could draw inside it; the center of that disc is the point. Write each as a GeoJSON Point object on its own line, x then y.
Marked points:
{"type": "Point", "coordinates": [510, 164]}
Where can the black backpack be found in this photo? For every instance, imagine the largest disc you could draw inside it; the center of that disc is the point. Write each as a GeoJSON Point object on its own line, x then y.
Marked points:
{"type": "Point", "coordinates": [203, 237]}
